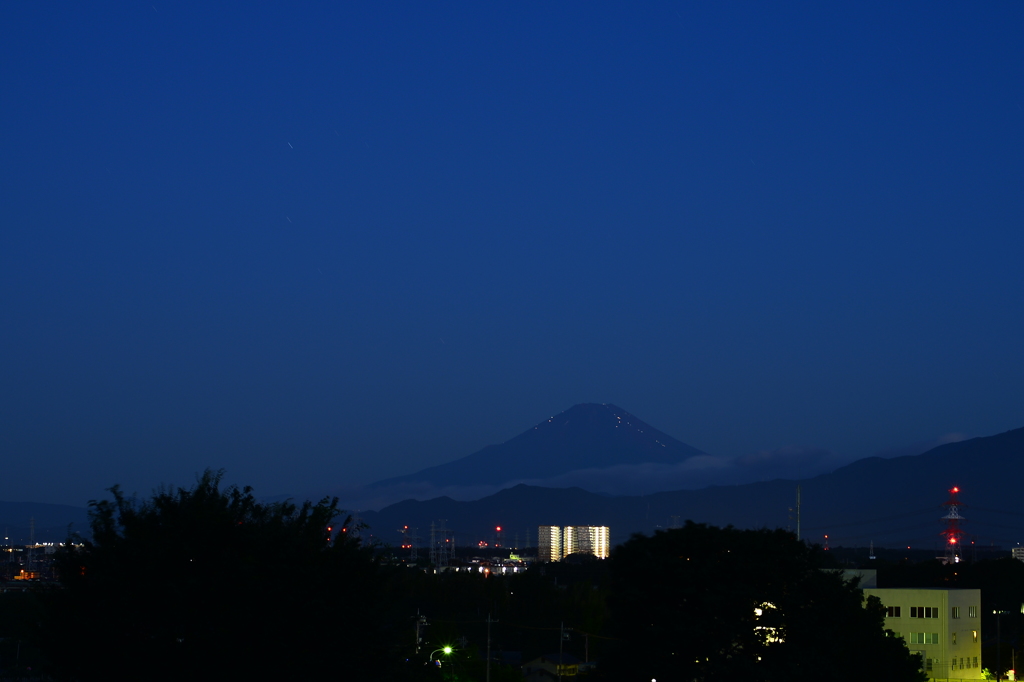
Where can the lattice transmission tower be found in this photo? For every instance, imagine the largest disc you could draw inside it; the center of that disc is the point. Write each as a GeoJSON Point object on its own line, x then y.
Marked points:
{"type": "Point", "coordinates": [442, 545]}
{"type": "Point", "coordinates": [410, 541]}
{"type": "Point", "coordinates": [953, 533]}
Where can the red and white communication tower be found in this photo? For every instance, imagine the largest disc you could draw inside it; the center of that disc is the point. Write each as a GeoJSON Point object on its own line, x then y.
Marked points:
{"type": "Point", "coordinates": [953, 534]}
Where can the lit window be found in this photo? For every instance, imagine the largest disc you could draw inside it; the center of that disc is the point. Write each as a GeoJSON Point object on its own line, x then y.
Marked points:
{"type": "Point", "coordinates": [954, 638]}
{"type": "Point", "coordinates": [771, 635]}
{"type": "Point", "coordinates": [974, 634]}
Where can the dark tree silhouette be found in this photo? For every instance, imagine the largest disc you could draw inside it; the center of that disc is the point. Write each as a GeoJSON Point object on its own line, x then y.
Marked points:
{"type": "Point", "coordinates": [209, 583]}
{"type": "Point", "coordinates": [710, 604]}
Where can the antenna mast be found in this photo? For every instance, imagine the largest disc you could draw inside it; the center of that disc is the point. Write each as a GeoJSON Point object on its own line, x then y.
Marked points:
{"type": "Point", "coordinates": [798, 511]}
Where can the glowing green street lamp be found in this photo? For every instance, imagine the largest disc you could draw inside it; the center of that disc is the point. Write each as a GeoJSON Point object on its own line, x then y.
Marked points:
{"type": "Point", "coordinates": [446, 650]}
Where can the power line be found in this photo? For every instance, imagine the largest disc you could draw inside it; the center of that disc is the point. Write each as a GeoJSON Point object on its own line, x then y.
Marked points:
{"type": "Point", "coordinates": [884, 533]}
{"type": "Point", "coordinates": [996, 511]}
{"type": "Point", "coordinates": [880, 520]}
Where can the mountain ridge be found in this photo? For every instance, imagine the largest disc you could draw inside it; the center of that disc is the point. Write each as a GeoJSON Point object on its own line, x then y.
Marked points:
{"type": "Point", "coordinates": [585, 436]}
{"type": "Point", "coordinates": [895, 501]}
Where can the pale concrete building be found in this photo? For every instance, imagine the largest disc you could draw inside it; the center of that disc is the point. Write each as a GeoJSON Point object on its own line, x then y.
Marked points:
{"type": "Point", "coordinates": [944, 626]}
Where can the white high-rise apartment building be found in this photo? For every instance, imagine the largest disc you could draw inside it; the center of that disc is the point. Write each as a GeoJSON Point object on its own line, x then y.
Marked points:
{"type": "Point", "coordinates": [549, 543]}
{"type": "Point", "coordinates": [586, 539]}
{"type": "Point", "coordinates": [554, 543]}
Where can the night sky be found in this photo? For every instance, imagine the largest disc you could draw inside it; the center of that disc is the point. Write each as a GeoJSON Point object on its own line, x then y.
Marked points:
{"type": "Point", "coordinates": [324, 245]}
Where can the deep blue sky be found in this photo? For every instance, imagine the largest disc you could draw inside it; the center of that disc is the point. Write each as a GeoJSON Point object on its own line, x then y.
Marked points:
{"type": "Point", "coordinates": [329, 244]}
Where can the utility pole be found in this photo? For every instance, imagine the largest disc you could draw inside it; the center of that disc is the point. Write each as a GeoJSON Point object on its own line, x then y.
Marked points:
{"type": "Point", "coordinates": [421, 621]}
{"type": "Point", "coordinates": [561, 639]}
{"type": "Point", "coordinates": [489, 621]}
{"type": "Point", "coordinates": [999, 644]}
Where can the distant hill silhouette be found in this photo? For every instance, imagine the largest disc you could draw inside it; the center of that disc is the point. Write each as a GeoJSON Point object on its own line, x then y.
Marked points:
{"type": "Point", "coordinates": [586, 436]}
{"type": "Point", "coordinates": [891, 502]}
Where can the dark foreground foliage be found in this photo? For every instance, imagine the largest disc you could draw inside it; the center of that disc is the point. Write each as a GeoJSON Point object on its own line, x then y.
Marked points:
{"type": "Point", "coordinates": [710, 604]}
{"type": "Point", "coordinates": [208, 583]}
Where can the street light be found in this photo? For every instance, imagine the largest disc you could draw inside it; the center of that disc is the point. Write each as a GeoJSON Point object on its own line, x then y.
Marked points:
{"type": "Point", "coordinates": [446, 650]}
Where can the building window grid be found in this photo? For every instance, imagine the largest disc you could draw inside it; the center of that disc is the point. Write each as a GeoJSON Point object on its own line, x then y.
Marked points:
{"type": "Point", "coordinates": [933, 637]}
